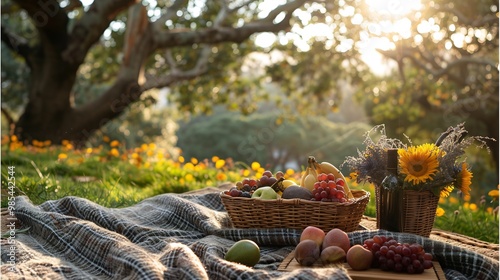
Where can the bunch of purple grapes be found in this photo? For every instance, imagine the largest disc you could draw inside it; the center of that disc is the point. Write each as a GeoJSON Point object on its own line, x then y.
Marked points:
{"type": "Point", "coordinates": [329, 189]}
{"type": "Point", "coordinates": [247, 186]}
{"type": "Point", "coordinates": [390, 255]}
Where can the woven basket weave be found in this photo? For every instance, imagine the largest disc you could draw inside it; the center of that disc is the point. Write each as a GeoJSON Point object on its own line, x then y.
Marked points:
{"type": "Point", "coordinates": [296, 213]}
{"type": "Point", "coordinates": [418, 210]}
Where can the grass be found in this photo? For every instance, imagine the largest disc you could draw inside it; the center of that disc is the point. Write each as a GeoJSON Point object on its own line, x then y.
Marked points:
{"type": "Point", "coordinates": [115, 177]}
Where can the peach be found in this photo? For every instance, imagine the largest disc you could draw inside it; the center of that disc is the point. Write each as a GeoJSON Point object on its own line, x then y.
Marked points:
{"type": "Point", "coordinates": [332, 254]}
{"type": "Point", "coordinates": [313, 233]}
{"type": "Point", "coordinates": [359, 258]}
{"type": "Point", "coordinates": [307, 252]}
{"type": "Point", "coordinates": [337, 237]}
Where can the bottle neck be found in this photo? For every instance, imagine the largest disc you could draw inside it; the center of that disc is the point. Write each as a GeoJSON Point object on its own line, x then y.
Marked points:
{"type": "Point", "coordinates": [392, 161]}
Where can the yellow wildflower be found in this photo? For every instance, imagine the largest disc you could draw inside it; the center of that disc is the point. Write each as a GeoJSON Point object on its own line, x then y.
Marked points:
{"type": "Point", "coordinates": [189, 166]}
{"type": "Point", "coordinates": [493, 194]}
{"type": "Point", "coordinates": [221, 176]}
{"type": "Point", "coordinates": [189, 177]}
{"type": "Point", "coordinates": [114, 152]}
{"type": "Point", "coordinates": [255, 166]}
{"type": "Point", "coordinates": [220, 163]}
{"type": "Point", "coordinates": [473, 206]}
{"type": "Point", "coordinates": [439, 211]}
{"type": "Point", "coordinates": [62, 156]}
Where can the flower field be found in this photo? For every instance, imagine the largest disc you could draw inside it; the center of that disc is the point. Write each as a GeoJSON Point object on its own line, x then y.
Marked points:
{"type": "Point", "coordinates": [114, 176]}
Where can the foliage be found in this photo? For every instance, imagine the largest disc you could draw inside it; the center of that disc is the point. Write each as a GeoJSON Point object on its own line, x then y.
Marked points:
{"type": "Point", "coordinates": [114, 176]}
{"type": "Point", "coordinates": [471, 217]}
{"type": "Point", "coordinates": [447, 70]}
{"type": "Point", "coordinates": [270, 137]}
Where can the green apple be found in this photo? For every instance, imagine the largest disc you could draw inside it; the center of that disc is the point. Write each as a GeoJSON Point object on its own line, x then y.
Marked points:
{"type": "Point", "coordinates": [245, 252]}
{"type": "Point", "coordinates": [265, 193]}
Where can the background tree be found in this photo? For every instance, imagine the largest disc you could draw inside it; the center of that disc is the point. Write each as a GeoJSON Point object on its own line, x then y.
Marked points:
{"type": "Point", "coordinates": [445, 57]}
{"type": "Point", "coordinates": [159, 44]}
{"type": "Point", "coordinates": [200, 50]}
{"type": "Point", "coordinates": [270, 138]}
{"type": "Point", "coordinates": [448, 71]}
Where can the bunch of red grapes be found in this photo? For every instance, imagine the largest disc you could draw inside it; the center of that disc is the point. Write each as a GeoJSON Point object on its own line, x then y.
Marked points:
{"type": "Point", "coordinates": [390, 255]}
{"type": "Point", "coordinates": [329, 189]}
{"type": "Point", "coordinates": [247, 186]}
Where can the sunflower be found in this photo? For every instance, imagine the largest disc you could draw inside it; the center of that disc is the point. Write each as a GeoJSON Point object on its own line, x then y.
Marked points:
{"type": "Point", "coordinates": [419, 163]}
{"type": "Point", "coordinates": [464, 179]}
{"type": "Point", "coordinates": [445, 192]}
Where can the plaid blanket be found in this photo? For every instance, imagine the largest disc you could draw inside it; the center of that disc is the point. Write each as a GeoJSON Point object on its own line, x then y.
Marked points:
{"type": "Point", "coordinates": [173, 236]}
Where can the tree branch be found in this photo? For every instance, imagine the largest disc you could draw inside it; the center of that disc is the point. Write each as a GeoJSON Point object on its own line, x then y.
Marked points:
{"type": "Point", "coordinates": [176, 74]}
{"type": "Point", "coordinates": [441, 71]}
{"type": "Point", "coordinates": [16, 43]}
{"type": "Point", "coordinates": [219, 34]}
{"type": "Point", "coordinates": [478, 22]}
{"type": "Point", "coordinates": [90, 27]}
{"type": "Point", "coordinates": [170, 14]}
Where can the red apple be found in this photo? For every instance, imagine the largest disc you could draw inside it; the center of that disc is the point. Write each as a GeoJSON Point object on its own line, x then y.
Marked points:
{"type": "Point", "coordinates": [359, 258]}
{"type": "Point", "coordinates": [337, 237]}
{"type": "Point", "coordinates": [313, 233]}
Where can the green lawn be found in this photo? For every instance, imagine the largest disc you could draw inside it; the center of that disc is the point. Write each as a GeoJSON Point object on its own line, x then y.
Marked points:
{"type": "Point", "coordinates": [114, 177]}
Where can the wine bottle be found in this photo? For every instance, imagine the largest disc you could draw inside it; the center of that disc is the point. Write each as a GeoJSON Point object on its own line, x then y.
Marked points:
{"type": "Point", "coordinates": [390, 202]}
{"type": "Point", "coordinates": [390, 182]}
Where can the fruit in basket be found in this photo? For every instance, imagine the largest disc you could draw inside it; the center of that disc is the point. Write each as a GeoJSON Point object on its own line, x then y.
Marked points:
{"type": "Point", "coordinates": [265, 193]}
{"type": "Point", "coordinates": [337, 237]}
{"type": "Point", "coordinates": [307, 252]}
{"type": "Point", "coordinates": [328, 168]}
{"type": "Point", "coordinates": [295, 191]}
{"type": "Point", "coordinates": [328, 190]}
{"type": "Point", "coordinates": [235, 192]}
{"type": "Point", "coordinates": [389, 254]}
{"type": "Point", "coordinates": [359, 258]}
{"type": "Point", "coordinates": [276, 181]}
{"type": "Point", "coordinates": [313, 233]}
{"type": "Point", "coordinates": [245, 252]}
{"type": "Point", "coordinates": [287, 183]}
{"type": "Point", "coordinates": [309, 177]}
{"type": "Point", "coordinates": [332, 254]}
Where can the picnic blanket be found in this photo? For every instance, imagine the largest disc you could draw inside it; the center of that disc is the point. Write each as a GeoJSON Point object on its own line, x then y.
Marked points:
{"type": "Point", "coordinates": [174, 236]}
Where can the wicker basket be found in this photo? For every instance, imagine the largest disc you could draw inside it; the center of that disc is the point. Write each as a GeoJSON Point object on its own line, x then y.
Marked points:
{"type": "Point", "coordinates": [418, 210]}
{"type": "Point", "coordinates": [296, 213]}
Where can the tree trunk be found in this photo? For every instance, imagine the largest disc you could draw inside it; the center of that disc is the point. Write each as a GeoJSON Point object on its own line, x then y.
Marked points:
{"type": "Point", "coordinates": [50, 114]}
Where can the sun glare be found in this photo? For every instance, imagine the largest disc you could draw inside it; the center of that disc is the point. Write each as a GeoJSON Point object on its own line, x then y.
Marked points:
{"type": "Point", "coordinates": [394, 8]}
{"type": "Point", "coordinates": [390, 25]}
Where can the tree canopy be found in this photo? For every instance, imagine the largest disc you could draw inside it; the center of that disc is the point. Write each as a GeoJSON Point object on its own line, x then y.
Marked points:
{"type": "Point", "coordinates": [87, 62]}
